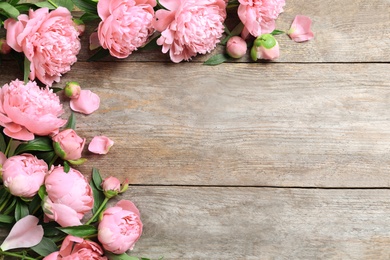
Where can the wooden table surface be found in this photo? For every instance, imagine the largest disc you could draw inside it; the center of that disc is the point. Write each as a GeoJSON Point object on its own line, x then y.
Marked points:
{"type": "Point", "coordinates": [280, 160]}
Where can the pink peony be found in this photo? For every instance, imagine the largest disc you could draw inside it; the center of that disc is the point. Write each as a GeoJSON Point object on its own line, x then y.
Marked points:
{"type": "Point", "coordinates": [300, 29]}
{"type": "Point", "coordinates": [126, 25]}
{"type": "Point", "coordinates": [48, 39]}
{"type": "Point", "coordinates": [100, 145]}
{"type": "Point", "coordinates": [87, 102]}
{"type": "Point", "coordinates": [68, 145]}
{"type": "Point", "coordinates": [69, 196]}
{"type": "Point", "coordinates": [25, 233]}
{"type": "Point", "coordinates": [189, 27]}
{"type": "Point", "coordinates": [26, 110]}
{"type": "Point", "coordinates": [77, 248]}
{"type": "Point", "coordinates": [258, 16]}
{"type": "Point", "coordinates": [120, 227]}
{"type": "Point", "coordinates": [236, 47]}
{"type": "Point", "coordinates": [24, 174]}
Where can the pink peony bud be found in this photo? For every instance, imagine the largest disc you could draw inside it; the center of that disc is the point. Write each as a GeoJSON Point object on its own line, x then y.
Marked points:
{"type": "Point", "coordinates": [112, 186]}
{"type": "Point", "coordinates": [236, 47]}
{"type": "Point", "coordinates": [87, 103]}
{"type": "Point", "coordinates": [300, 29]}
{"type": "Point", "coordinates": [265, 47]}
{"type": "Point", "coordinates": [100, 145]}
{"type": "Point", "coordinates": [69, 196]}
{"type": "Point", "coordinates": [24, 174]}
{"type": "Point", "coordinates": [68, 145]}
{"type": "Point", "coordinates": [72, 89]}
{"type": "Point", "coordinates": [4, 47]}
{"type": "Point", "coordinates": [25, 233]}
{"type": "Point", "coordinates": [120, 227]}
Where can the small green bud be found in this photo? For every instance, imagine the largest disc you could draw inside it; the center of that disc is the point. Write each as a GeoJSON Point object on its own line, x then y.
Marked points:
{"type": "Point", "coordinates": [254, 53]}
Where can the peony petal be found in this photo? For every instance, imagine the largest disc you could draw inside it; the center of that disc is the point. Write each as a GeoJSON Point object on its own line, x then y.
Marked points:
{"type": "Point", "coordinates": [128, 205]}
{"type": "Point", "coordinates": [100, 145]}
{"type": "Point", "coordinates": [52, 256]}
{"type": "Point", "coordinates": [300, 30]}
{"type": "Point", "coordinates": [87, 103]}
{"type": "Point", "coordinates": [25, 233]}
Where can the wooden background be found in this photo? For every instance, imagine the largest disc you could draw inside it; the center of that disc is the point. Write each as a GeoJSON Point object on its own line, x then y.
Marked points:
{"type": "Point", "coordinates": [279, 160]}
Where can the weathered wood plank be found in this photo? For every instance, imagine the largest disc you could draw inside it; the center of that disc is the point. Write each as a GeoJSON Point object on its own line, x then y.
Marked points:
{"type": "Point", "coordinates": [345, 31]}
{"type": "Point", "coordinates": [261, 223]}
{"type": "Point", "coordinates": [242, 124]}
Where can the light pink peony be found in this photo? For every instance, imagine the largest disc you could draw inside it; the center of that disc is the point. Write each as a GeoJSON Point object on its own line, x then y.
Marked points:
{"type": "Point", "coordinates": [87, 102]}
{"type": "Point", "coordinates": [24, 174]}
{"type": "Point", "coordinates": [189, 27]}
{"type": "Point", "coordinates": [126, 25]}
{"type": "Point", "coordinates": [26, 110]}
{"type": "Point", "coordinates": [100, 144]}
{"type": "Point", "coordinates": [120, 227]}
{"type": "Point", "coordinates": [69, 196]}
{"type": "Point", "coordinates": [25, 233]}
{"type": "Point", "coordinates": [258, 16]}
{"type": "Point", "coordinates": [300, 30]}
{"type": "Point", "coordinates": [48, 39]}
{"type": "Point", "coordinates": [68, 145]}
{"type": "Point", "coordinates": [77, 248]}
{"type": "Point", "coordinates": [236, 47]}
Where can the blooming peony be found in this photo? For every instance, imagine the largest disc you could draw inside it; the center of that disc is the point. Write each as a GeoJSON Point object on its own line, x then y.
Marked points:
{"type": "Point", "coordinates": [126, 25]}
{"type": "Point", "coordinates": [189, 27]}
{"type": "Point", "coordinates": [24, 174]}
{"type": "Point", "coordinates": [120, 227]}
{"type": "Point", "coordinates": [69, 196]}
{"type": "Point", "coordinates": [258, 16]}
{"type": "Point", "coordinates": [77, 248]}
{"type": "Point", "coordinates": [68, 145]}
{"type": "Point", "coordinates": [26, 110]}
{"type": "Point", "coordinates": [48, 39]}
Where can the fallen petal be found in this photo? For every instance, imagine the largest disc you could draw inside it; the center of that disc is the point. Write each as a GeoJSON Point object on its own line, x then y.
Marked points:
{"type": "Point", "coordinates": [87, 103]}
{"type": "Point", "coordinates": [100, 145]}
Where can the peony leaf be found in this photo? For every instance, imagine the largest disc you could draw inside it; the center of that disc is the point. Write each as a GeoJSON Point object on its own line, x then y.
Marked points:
{"type": "Point", "coordinates": [87, 6]}
{"type": "Point", "coordinates": [79, 231]}
{"type": "Point", "coordinates": [236, 31]}
{"type": "Point", "coordinates": [277, 32]}
{"type": "Point", "coordinates": [98, 195]}
{"type": "Point", "coordinates": [9, 10]}
{"type": "Point", "coordinates": [40, 143]}
{"type": "Point", "coordinates": [11, 207]}
{"type": "Point", "coordinates": [97, 178]}
{"type": "Point", "coordinates": [71, 124]}
{"type": "Point", "coordinates": [21, 210]}
{"type": "Point", "coordinates": [6, 219]}
{"type": "Point", "coordinates": [216, 59]}
{"type": "Point", "coordinates": [87, 17]}
{"type": "Point", "coordinates": [68, 4]}
{"type": "Point", "coordinates": [45, 4]}
{"type": "Point", "coordinates": [45, 247]}
{"type": "Point", "coordinates": [99, 54]}
{"type": "Point", "coordinates": [26, 69]}
{"type": "Point", "coordinates": [3, 145]}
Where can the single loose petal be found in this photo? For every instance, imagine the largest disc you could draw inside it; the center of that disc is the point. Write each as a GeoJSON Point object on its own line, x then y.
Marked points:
{"type": "Point", "coordinates": [100, 145]}
{"type": "Point", "coordinates": [300, 29]}
{"type": "Point", "coordinates": [87, 103]}
{"type": "Point", "coordinates": [25, 233]}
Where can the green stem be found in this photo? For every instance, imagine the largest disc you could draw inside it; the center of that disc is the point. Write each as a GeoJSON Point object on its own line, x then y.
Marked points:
{"type": "Point", "coordinates": [53, 160]}
{"type": "Point", "coordinates": [52, 3]}
{"type": "Point", "coordinates": [8, 147]}
{"type": "Point", "coordinates": [22, 256]}
{"type": "Point", "coordinates": [98, 211]}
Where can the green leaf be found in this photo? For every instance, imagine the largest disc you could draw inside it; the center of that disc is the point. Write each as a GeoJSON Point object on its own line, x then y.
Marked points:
{"type": "Point", "coordinates": [216, 59]}
{"type": "Point", "coordinates": [26, 69]}
{"type": "Point", "coordinates": [21, 210]}
{"type": "Point", "coordinates": [45, 4]}
{"type": "Point", "coordinates": [151, 44]}
{"type": "Point", "coordinates": [87, 6]}
{"type": "Point", "coordinates": [9, 10]}
{"type": "Point", "coordinates": [3, 145]}
{"type": "Point", "coordinates": [112, 256]}
{"type": "Point", "coordinates": [51, 230]}
{"type": "Point", "coordinates": [236, 31]}
{"type": "Point", "coordinates": [71, 124]}
{"type": "Point", "coordinates": [42, 192]}
{"type": "Point", "coordinates": [13, 2]}
{"type": "Point", "coordinates": [98, 194]}
{"type": "Point", "coordinates": [87, 17]}
{"type": "Point", "coordinates": [97, 179]}
{"type": "Point", "coordinates": [79, 231]}
{"type": "Point", "coordinates": [6, 219]}
{"type": "Point", "coordinates": [45, 247]}
{"type": "Point", "coordinates": [68, 4]}
{"type": "Point", "coordinates": [40, 143]}
{"type": "Point", "coordinates": [277, 32]}
{"type": "Point", "coordinates": [46, 156]}
{"type": "Point", "coordinates": [23, 8]}
{"type": "Point", "coordinates": [11, 207]}
{"type": "Point", "coordinates": [99, 54]}
{"type": "Point", "coordinates": [34, 204]}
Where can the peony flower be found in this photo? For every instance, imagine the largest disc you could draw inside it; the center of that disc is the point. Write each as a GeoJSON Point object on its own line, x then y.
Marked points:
{"type": "Point", "coordinates": [126, 25]}
{"type": "Point", "coordinates": [300, 29]}
{"type": "Point", "coordinates": [77, 248]}
{"type": "Point", "coordinates": [24, 174]}
{"type": "Point", "coordinates": [265, 47]}
{"type": "Point", "coordinates": [120, 227]}
{"type": "Point", "coordinates": [236, 47]}
{"type": "Point", "coordinates": [72, 89]}
{"type": "Point", "coordinates": [189, 27]}
{"type": "Point", "coordinates": [258, 16]}
{"type": "Point", "coordinates": [68, 145]}
{"type": "Point", "coordinates": [26, 110]}
{"type": "Point", "coordinates": [49, 41]}
{"type": "Point", "coordinates": [87, 102]}
{"type": "Point", "coordinates": [100, 144]}
{"type": "Point", "coordinates": [112, 187]}
{"type": "Point", "coordinates": [69, 196]}
{"type": "Point", "coordinates": [4, 47]}
{"type": "Point", "coordinates": [25, 233]}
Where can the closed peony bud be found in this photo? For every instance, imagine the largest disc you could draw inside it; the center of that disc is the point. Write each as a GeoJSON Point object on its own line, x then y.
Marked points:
{"type": "Point", "coordinates": [4, 47]}
{"type": "Point", "coordinates": [112, 186]}
{"type": "Point", "coordinates": [236, 47]}
{"type": "Point", "coordinates": [265, 47]}
{"type": "Point", "coordinates": [68, 145]}
{"type": "Point", "coordinates": [72, 89]}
